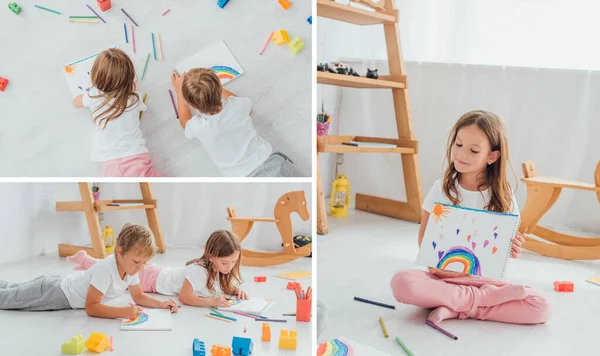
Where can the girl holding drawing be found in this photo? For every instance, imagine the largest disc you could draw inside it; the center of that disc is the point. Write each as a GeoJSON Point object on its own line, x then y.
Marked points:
{"type": "Point", "coordinates": [477, 158]}
{"type": "Point", "coordinates": [117, 140]}
{"type": "Point", "coordinates": [88, 290]}
{"type": "Point", "coordinates": [203, 282]}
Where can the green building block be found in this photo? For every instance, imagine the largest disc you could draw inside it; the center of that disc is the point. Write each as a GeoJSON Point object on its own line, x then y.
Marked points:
{"type": "Point", "coordinates": [296, 45]}
{"type": "Point", "coordinates": [73, 346]}
{"type": "Point", "coordinates": [14, 8]}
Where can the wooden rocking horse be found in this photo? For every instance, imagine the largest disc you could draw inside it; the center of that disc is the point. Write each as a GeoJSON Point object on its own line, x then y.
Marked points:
{"type": "Point", "coordinates": [286, 205]}
{"type": "Point", "coordinates": [542, 193]}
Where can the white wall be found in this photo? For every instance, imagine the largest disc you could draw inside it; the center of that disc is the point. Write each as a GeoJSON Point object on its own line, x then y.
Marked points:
{"type": "Point", "coordinates": [188, 213]}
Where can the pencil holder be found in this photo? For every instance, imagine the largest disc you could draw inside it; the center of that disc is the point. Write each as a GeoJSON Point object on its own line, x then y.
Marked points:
{"type": "Point", "coordinates": [322, 128]}
{"type": "Point", "coordinates": [104, 5]}
{"type": "Point", "coordinates": [303, 309]}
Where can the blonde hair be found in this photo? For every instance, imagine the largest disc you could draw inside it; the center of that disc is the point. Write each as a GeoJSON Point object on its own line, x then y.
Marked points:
{"type": "Point", "coordinates": [495, 174]}
{"type": "Point", "coordinates": [202, 89]}
{"type": "Point", "coordinates": [136, 237]}
{"type": "Point", "coordinates": [221, 243]}
{"type": "Point", "coordinates": [113, 74]}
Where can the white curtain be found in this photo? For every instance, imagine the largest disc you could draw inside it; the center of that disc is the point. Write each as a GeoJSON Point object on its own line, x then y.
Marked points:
{"type": "Point", "coordinates": [551, 114]}
{"type": "Point", "coordinates": [187, 212]}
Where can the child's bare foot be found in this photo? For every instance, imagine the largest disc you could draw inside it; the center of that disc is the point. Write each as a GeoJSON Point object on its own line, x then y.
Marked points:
{"type": "Point", "coordinates": [442, 313]}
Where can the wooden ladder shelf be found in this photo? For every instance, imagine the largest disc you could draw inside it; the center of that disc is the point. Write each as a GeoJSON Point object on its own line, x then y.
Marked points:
{"type": "Point", "coordinates": [407, 147]}
{"type": "Point", "coordinates": [91, 208]}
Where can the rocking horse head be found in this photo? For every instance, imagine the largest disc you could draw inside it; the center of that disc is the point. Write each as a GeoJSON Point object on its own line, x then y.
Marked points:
{"type": "Point", "coordinates": [292, 202]}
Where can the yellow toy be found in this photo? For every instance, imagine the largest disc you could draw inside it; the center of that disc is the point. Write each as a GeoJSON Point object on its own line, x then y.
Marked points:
{"type": "Point", "coordinates": [109, 240]}
{"type": "Point", "coordinates": [281, 37]}
{"type": "Point", "coordinates": [340, 197]}
{"type": "Point", "coordinates": [73, 346]}
{"type": "Point", "coordinates": [288, 339]}
{"type": "Point", "coordinates": [266, 332]}
{"type": "Point", "coordinates": [220, 350]}
{"type": "Point", "coordinates": [97, 342]}
{"type": "Point", "coordinates": [296, 45]}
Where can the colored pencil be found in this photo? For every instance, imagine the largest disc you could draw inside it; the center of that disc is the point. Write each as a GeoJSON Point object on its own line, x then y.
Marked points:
{"type": "Point", "coordinates": [125, 28]}
{"type": "Point", "coordinates": [111, 344]}
{"type": "Point", "coordinates": [294, 314]}
{"type": "Point", "coordinates": [83, 17]}
{"type": "Point", "coordinates": [374, 303]}
{"type": "Point", "coordinates": [145, 65]}
{"type": "Point", "coordinates": [403, 345]}
{"type": "Point", "coordinates": [223, 316]}
{"type": "Point", "coordinates": [160, 53]}
{"type": "Point", "coordinates": [126, 14]}
{"type": "Point", "coordinates": [133, 38]}
{"type": "Point", "coordinates": [244, 314]}
{"type": "Point", "coordinates": [84, 20]}
{"type": "Point", "coordinates": [47, 9]}
{"type": "Point", "coordinates": [173, 102]}
{"type": "Point", "coordinates": [95, 13]}
{"type": "Point", "coordinates": [385, 333]}
{"type": "Point", "coordinates": [450, 335]}
{"type": "Point", "coordinates": [166, 12]}
{"type": "Point", "coordinates": [257, 316]}
{"type": "Point", "coordinates": [215, 310]}
{"type": "Point", "coordinates": [178, 305]}
{"type": "Point", "coordinates": [266, 43]}
{"type": "Point", "coordinates": [153, 47]}
{"type": "Point", "coordinates": [274, 320]}
{"type": "Point", "coordinates": [141, 112]}
{"type": "Point", "coordinates": [216, 317]}
{"type": "Point", "coordinates": [309, 293]}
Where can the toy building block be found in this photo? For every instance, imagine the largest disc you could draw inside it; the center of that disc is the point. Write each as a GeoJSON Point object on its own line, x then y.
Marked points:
{"type": "Point", "coordinates": [563, 286]}
{"type": "Point", "coordinates": [198, 348]}
{"type": "Point", "coordinates": [222, 3]}
{"type": "Point", "coordinates": [73, 346]}
{"type": "Point", "coordinates": [281, 37]}
{"type": "Point", "coordinates": [296, 45]}
{"type": "Point", "coordinates": [14, 8]}
{"type": "Point", "coordinates": [266, 332]}
{"type": "Point", "coordinates": [292, 285]}
{"type": "Point", "coordinates": [309, 20]}
{"type": "Point", "coordinates": [219, 350]}
{"type": "Point", "coordinates": [104, 5]}
{"type": "Point", "coordinates": [3, 83]}
{"type": "Point", "coordinates": [288, 339]}
{"type": "Point", "coordinates": [97, 342]}
{"type": "Point", "coordinates": [242, 346]}
{"type": "Point", "coordinates": [260, 279]}
{"type": "Point", "coordinates": [285, 4]}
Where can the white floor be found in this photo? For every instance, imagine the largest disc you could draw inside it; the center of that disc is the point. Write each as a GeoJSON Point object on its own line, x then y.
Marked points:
{"type": "Point", "coordinates": [43, 135]}
{"type": "Point", "coordinates": [42, 333]}
{"type": "Point", "coordinates": [361, 253]}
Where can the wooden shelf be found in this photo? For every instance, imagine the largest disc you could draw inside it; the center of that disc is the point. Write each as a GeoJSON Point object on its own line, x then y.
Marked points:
{"type": "Point", "coordinates": [359, 82]}
{"type": "Point", "coordinates": [347, 13]}
{"type": "Point", "coordinates": [127, 207]}
{"type": "Point", "coordinates": [334, 144]}
{"type": "Point", "coordinates": [561, 183]}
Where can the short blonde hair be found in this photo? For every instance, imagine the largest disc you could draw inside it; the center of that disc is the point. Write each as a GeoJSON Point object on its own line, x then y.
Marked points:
{"type": "Point", "coordinates": [136, 237]}
{"type": "Point", "coordinates": [202, 89]}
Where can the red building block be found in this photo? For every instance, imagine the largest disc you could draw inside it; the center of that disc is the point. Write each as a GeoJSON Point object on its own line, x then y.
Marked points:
{"type": "Point", "coordinates": [104, 5]}
{"type": "Point", "coordinates": [3, 83]}
{"type": "Point", "coordinates": [292, 285]}
{"type": "Point", "coordinates": [260, 279]}
{"type": "Point", "coordinates": [563, 286]}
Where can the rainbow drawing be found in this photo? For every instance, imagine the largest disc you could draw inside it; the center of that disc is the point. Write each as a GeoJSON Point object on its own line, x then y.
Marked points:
{"type": "Point", "coordinates": [142, 318]}
{"type": "Point", "coordinates": [461, 254]}
{"type": "Point", "coordinates": [225, 72]}
{"type": "Point", "coordinates": [335, 347]}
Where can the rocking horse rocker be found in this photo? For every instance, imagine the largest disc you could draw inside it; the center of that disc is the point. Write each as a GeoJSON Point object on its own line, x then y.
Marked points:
{"type": "Point", "coordinates": [286, 205]}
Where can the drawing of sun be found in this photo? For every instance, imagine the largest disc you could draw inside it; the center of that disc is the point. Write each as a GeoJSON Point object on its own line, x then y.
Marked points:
{"type": "Point", "coordinates": [439, 212]}
{"type": "Point", "coordinates": [70, 69]}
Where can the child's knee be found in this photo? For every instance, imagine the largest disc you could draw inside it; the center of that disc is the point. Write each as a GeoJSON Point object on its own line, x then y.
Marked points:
{"type": "Point", "coordinates": [403, 286]}
{"type": "Point", "coordinates": [542, 309]}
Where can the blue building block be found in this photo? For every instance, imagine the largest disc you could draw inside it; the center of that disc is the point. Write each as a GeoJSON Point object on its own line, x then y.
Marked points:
{"type": "Point", "coordinates": [309, 20]}
{"type": "Point", "coordinates": [222, 3]}
{"type": "Point", "coordinates": [198, 348]}
{"type": "Point", "coordinates": [242, 346]}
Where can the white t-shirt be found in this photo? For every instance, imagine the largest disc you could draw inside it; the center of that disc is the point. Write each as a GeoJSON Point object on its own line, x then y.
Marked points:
{"type": "Point", "coordinates": [470, 199]}
{"type": "Point", "coordinates": [122, 137]}
{"type": "Point", "coordinates": [170, 280]}
{"type": "Point", "coordinates": [104, 276]}
{"type": "Point", "coordinates": [230, 139]}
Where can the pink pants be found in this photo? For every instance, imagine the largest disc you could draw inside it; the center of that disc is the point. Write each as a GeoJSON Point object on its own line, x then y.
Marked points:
{"type": "Point", "coordinates": [132, 166]}
{"type": "Point", "coordinates": [463, 295]}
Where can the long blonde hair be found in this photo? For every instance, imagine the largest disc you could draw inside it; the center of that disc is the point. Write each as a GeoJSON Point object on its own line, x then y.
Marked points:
{"type": "Point", "coordinates": [113, 74]}
{"type": "Point", "coordinates": [221, 243]}
{"type": "Point", "coordinates": [495, 174]}
{"type": "Point", "coordinates": [136, 237]}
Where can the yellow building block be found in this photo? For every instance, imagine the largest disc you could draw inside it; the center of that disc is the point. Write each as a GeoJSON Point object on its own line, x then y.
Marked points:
{"type": "Point", "coordinates": [288, 339]}
{"type": "Point", "coordinates": [97, 342]}
{"type": "Point", "coordinates": [73, 346]}
{"type": "Point", "coordinates": [296, 45]}
{"type": "Point", "coordinates": [281, 37]}
{"type": "Point", "coordinates": [266, 332]}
